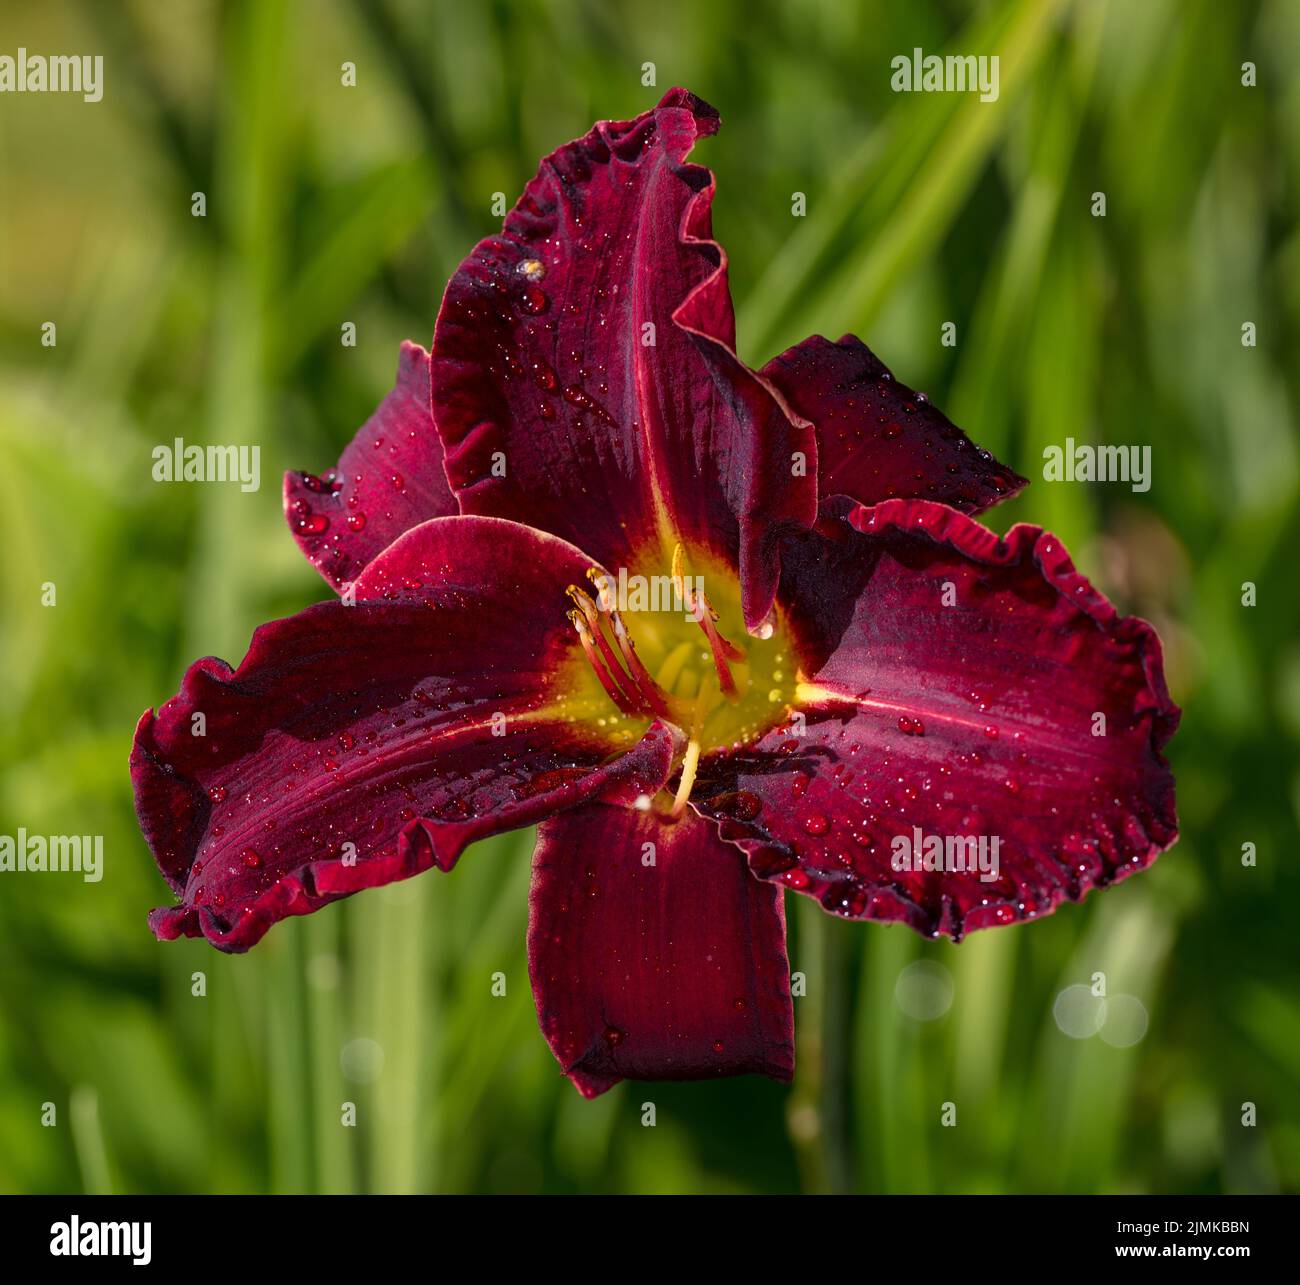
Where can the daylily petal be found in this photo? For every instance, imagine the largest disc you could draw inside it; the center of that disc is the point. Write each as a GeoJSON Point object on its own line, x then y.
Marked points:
{"type": "Point", "coordinates": [389, 478]}
{"type": "Point", "coordinates": [966, 686]}
{"type": "Point", "coordinates": [877, 439]}
{"type": "Point", "coordinates": [674, 970]}
{"type": "Point", "coordinates": [360, 744]}
{"type": "Point", "coordinates": [584, 370]}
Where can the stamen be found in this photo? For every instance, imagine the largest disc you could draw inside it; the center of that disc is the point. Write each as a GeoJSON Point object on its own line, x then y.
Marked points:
{"type": "Point", "coordinates": [639, 690]}
{"type": "Point", "coordinates": [698, 605]}
{"type": "Point", "coordinates": [720, 647]}
{"type": "Point", "coordinates": [653, 694]}
{"type": "Point", "coordinates": [585, 605]}
{"type": "Point", "coordinates": [679, 579]}
{"type": "Point", "coordinates": [607, 680]}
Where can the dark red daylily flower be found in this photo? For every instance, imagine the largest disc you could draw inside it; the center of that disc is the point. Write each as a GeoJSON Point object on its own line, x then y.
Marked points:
{"type": "Point", "coordinates": [837, 656]}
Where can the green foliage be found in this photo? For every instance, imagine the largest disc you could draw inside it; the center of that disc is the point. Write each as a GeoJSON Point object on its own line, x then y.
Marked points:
{"type": "Point", "coordinates": [329, 204]}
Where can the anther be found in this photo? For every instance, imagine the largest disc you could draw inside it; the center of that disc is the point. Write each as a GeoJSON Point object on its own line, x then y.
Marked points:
{"type": "Point", "coordinates": [588, 608]}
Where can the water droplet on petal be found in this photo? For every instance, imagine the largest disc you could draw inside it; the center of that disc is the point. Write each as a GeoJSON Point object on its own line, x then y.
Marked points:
{"type": "Point", "coordinates": [312, 524]}
{"type": "Point", "coordinates": [534, 301]}
{"type": "Point", "coordinates": [815, 823]}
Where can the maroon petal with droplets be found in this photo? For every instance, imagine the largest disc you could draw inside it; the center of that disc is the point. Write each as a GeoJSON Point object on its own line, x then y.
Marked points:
{"type": "Point", "coordinates": [360, 744]}
{"type": "Point", "coordinates": [654, 954]}
{"type": "Point", "coordinates": [389, 478]}
{"type": "Point", "coordinates": [959, 686]}
{"type": "Point", "coordinates": [584, 371]}
{"type": "Point", "coordinates": [877, 439]}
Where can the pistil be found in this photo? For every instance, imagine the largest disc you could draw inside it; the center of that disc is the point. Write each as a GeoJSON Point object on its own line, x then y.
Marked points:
{"type": "Point", "coordinates": [691, 761]}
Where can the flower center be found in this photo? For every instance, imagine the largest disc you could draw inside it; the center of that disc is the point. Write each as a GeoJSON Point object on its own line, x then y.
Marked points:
{"type": "Point", "coordinates": [663, 646]}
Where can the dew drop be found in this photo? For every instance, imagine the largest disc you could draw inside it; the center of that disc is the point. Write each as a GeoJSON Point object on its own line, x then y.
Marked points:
{"type": "Point", "coordinates": [312, 523]}
{"type": "Point", "coordinates": [814, 823]}
{"type": "Point", "coordinates": [534, 301]}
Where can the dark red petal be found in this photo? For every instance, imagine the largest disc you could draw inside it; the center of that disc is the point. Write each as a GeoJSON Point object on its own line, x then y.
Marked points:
{"type": "Point", "coordinates": [970, 719]}
{"type": "Point", "coordinates": [373, 725]}
{"type": "Point", "coordinates": [389, 478]}
{"type": "Point", "coordinates": [877, 439]}
{"type": "Point", "coordinates": [555, 412]}
{"type": "Point", "coordinates": [670, 971]}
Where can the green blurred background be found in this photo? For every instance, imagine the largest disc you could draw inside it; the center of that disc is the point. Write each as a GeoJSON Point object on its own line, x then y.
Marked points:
{"type": "Point", "coordinates": [329, 204]}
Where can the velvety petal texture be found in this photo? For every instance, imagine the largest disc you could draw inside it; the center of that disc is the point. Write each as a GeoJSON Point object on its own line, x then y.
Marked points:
{"type": "Point", "coordinates": [654, 953]}
{"type": "Point", "coordinates": [389, 479]}
{"type": "Point", "coordinates": [964, 687]}
{"type": "Point", "coordinates": [585, 379]}
{"type": "Point", "coordinates": [878, 439]}
{"type": "Point", "coordinates": [360, 744]}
